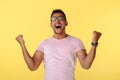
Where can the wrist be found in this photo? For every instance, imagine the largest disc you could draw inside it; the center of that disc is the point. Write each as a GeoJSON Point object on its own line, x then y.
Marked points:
{"type": "Point", "coordinates": [95, 44]}
{"type": "Point", "coordinates": [22, 43]}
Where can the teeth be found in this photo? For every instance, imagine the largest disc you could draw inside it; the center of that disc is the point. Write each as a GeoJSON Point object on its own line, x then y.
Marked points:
{"type": "Point", "coordinates": [58, 26]}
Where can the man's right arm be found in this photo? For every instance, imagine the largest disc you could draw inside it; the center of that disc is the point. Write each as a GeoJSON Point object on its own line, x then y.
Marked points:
{"type": "Point", "coordinates": [32, 62]}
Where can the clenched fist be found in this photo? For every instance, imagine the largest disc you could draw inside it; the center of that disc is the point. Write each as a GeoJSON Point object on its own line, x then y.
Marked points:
{"type": "Point", "coordinates": [20, 39]}
{"type": "Point", "coordinates": [96, 36]}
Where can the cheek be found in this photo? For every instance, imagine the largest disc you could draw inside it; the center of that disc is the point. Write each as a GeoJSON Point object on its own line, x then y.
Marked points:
{"type": "Point", "coordinates": [52, 24]}
{"type": "Point", "coordinates": [64, 23]}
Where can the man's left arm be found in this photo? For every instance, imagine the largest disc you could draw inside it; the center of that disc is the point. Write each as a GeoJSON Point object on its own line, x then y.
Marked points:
{"type": "Point", "coordinates": [87, 59]}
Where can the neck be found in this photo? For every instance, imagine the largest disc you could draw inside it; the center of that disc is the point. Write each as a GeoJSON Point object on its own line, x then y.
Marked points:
{"type": "Point", "coordinates": [60, 36]}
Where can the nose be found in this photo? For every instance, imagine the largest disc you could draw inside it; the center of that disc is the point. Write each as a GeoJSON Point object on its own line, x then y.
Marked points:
{"type": "Point", "coordinates": [57, 20]}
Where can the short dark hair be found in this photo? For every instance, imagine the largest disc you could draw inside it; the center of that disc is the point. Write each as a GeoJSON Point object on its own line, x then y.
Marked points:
{"type": "Point", "coordinates": [58, 11]}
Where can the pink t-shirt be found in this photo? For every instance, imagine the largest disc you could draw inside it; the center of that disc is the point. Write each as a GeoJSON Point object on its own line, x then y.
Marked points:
{"type": "Point", "coordinates": [60, 57]}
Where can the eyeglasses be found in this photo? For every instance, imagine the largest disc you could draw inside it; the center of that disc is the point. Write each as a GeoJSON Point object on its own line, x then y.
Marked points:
{"type": "Point", "coordinates": [60, 18]}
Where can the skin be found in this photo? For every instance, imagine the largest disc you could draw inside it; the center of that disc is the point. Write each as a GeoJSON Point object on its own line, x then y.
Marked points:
{"type": "Point", "coordinates": [59, 33]}
{"type": "Point", "coordinates": [34, 61]}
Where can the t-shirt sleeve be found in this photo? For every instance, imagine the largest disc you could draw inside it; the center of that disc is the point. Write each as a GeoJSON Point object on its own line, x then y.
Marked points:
{"type": "Point", "coordinates": [79, 45]}
{"type": "Point", "coordinates": [41, 47]}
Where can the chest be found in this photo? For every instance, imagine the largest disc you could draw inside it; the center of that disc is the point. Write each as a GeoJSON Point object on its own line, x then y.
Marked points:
{"type": "Point", "coordinates": [62, 50]}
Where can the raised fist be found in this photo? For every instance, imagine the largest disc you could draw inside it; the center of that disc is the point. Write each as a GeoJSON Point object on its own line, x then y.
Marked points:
{"type": "Point", "coordinates": [96, 36]}
{"type": "Point", "coordinates": [20, 39]}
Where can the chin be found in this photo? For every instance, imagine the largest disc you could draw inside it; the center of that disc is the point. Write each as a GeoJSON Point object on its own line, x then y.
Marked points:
{"type": "Point", "coordinates": [58, 33]}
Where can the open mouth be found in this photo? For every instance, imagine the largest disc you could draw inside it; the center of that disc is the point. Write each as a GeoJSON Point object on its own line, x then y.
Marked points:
{"type": "Point", "coordinates": [57, 27]}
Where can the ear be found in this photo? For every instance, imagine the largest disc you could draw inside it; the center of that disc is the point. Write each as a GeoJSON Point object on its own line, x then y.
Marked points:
{"type": "Point", "coordinates": [66, 23]}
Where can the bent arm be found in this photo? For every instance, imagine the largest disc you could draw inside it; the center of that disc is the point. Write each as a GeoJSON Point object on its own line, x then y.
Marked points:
{"type": "Point", "coordinates": [85, 59]}
{"type": "Point", "coordinates": [32, 62]}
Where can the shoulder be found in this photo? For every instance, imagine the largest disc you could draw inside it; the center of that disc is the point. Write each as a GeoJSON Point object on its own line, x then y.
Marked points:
{"type": "Point", "coordinates": [42, 44]}
{"type": "Point", "coordinates": [77, 42]}
{"type": "Point", "coordinates": [45, 41]}
{"type": "Point", "coordinates": [76, 39]}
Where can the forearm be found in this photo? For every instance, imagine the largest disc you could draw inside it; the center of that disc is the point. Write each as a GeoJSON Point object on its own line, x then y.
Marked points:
{"type": "Point", "coordinates": [85, 59]}
{"type": "Point", "coordinates": [28, 59]}
{"type": "Point", "coordinates": [90, 57]}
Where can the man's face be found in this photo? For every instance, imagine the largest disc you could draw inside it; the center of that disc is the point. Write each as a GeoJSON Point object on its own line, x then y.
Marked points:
{"type": "Point", "coordinates": [58, 23]}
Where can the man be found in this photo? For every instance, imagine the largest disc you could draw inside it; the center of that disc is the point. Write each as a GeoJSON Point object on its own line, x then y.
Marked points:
{"type": "Point", "coordinates": [60, 51]}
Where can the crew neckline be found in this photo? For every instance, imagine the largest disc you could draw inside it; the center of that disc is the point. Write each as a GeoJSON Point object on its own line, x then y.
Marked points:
{"type": "Point", "coordinates": [60, 39]}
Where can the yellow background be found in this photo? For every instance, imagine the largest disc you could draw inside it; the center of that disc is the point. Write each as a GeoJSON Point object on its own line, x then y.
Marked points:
{"type": "Point", "coordinates": [31, 18]}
